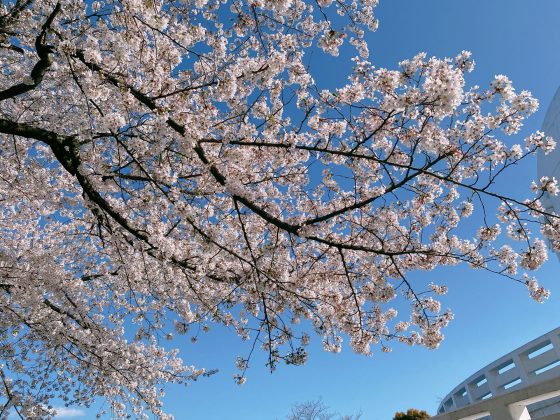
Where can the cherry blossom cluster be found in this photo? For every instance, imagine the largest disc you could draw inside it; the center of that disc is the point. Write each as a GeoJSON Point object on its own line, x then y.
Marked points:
{"type": "Point", "coordinates": [169, 165]}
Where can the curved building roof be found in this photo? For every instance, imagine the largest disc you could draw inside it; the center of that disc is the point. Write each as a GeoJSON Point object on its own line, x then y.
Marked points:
{"type": "Point", "coordinates": [535, 362]}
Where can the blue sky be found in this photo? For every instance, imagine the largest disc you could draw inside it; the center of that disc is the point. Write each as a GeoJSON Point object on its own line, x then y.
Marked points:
{"type": "Point", "coordinates": [492, 315]}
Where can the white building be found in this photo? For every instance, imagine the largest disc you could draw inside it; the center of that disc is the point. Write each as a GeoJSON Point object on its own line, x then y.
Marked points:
{"type": "Point", "coordinates": [549, 165]}
{"type": "Point", "coordinates": [523, 384]}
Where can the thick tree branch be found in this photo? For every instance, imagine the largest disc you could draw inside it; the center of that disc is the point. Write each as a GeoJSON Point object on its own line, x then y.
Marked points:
{"type": "Point", "coordinates": [66, 150]}
{"type": "Point", "coordinates": [44, 52]}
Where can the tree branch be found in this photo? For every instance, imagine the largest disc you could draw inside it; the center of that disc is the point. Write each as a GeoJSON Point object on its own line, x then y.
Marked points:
{"type": "Point", "coordinates": [44, 52]}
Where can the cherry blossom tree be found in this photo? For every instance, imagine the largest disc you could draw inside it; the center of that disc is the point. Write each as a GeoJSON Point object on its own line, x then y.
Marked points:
{"type": "Point", "coordinates": [172, 163]}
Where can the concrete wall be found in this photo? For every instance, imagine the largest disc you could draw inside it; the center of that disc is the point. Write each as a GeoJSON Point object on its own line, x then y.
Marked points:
{"type": "Point", "coordinates": [510, 406]}
{"type": "Point", "coordinates": [533, 363]}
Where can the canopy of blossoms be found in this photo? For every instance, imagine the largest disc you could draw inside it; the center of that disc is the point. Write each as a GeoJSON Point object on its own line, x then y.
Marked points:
{"type": "Point", "coordinates": [166, 164]}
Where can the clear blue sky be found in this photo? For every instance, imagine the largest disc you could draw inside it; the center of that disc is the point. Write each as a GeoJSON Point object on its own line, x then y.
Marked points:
{"type": "Point", "coordinates": [492, 315]}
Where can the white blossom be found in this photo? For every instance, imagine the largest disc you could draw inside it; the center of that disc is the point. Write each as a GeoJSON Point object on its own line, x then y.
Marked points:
{"type": "Point", "coordinates": [170, 166]}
